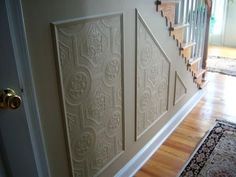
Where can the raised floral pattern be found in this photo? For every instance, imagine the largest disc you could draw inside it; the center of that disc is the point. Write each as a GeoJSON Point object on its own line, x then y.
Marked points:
{"type": "Point", "coordinates": [78, 86]}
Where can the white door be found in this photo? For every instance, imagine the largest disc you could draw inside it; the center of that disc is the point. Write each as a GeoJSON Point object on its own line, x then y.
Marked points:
{"type": "Point", "coordinates": [16, 152]}
{"type": "Point", "coordinates": [2, 168]}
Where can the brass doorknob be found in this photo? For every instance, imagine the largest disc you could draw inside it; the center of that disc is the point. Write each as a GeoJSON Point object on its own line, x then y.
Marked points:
{"type": "Point", "coordinates": [9, 99]}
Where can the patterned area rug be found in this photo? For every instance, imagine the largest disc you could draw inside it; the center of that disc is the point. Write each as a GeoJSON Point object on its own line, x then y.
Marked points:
{"type": "Point", "coordinates": [216, 154]}
{"type": "Point", "coordinates": [222, 65]}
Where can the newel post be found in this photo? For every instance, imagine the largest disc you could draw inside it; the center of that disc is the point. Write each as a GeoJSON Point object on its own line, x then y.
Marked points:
{"type": "Point", "coordinates": [205, 54]}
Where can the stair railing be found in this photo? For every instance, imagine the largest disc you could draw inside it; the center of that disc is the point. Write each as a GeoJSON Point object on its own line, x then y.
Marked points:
{"type": "Point", "coordinates": [194, 13]}
{"type": "Point", "coordinates": [192, 18]}
{"type": "Point", "coordinates": [205, 53]}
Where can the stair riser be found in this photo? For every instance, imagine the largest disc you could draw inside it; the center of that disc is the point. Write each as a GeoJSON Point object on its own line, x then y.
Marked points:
{"type": "Point", "coordinates": [179, 34]}
{"type": "Point", "coordinates": [186, 53]}
{"type": "Point", "coordinates": [194, 69]}
{"type": "Point", "coordinates": [168, 10]}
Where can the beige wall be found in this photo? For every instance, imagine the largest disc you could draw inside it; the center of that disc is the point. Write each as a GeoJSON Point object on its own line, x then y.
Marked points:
{"type": "Point", "coordinates": [107, 79]}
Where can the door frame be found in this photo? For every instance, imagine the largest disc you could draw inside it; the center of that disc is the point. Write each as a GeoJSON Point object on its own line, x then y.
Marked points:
{"type": "Point", "coordinates": [24, 70]}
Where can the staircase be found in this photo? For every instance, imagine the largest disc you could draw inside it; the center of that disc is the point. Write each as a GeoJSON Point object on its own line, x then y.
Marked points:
{"type": "Point", "coordinates": [186, 21]}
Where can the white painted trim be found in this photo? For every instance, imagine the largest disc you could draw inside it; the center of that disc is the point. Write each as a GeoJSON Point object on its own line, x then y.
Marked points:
{"type": "Point", "coordinates": [151, 147]}
{"type": "Point", "coordinates": [22, 59]}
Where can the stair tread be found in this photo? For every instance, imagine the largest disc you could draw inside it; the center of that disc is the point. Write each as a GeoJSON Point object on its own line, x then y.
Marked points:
{"type": "Point", "coordinates": [203, 84]}
{"type": "Point", "coordinates": [194, 60]}
{"type": "Point", "coordinates": [158, 2]}
{"type": "Point", "coordinates": [178, 26]}
{"type": "Point", "coordinates": [200, 73]}
{"type": "Point", "coordinates": [187, 45]}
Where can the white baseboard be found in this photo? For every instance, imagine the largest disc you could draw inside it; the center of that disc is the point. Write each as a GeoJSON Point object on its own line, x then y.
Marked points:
{"type": "Point", "coordinates": [151, 147]}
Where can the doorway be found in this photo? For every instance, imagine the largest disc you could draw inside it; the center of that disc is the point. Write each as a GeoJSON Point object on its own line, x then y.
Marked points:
{"type": "Point", "coordinates": [222, 45]}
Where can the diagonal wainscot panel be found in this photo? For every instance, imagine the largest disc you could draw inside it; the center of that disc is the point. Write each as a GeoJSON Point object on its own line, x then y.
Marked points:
{"type": "Point", "coordinates": [180, 89]}
{"type": "Point", "coordinates": [90, 59]}
{"type": "Point", "coordinates": [152, 78]}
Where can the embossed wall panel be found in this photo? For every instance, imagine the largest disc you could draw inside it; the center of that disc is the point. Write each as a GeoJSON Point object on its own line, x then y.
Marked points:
{"type": "Point", "coordinates": [180, 89]}
{"type": "Point", "coordinates": [90, 58]}
{"type": "Point", "coordinates": [152, 83]}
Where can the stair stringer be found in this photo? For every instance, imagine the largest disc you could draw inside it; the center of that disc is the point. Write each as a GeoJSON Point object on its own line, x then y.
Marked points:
{"type": "Point", "coordinates": [185, 49]}
{"type": "Point", "coordinates": [157, 25]}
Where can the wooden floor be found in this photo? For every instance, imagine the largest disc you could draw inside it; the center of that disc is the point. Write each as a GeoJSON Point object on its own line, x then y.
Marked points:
{"type": "Point", "coordinates": [218, 103]}
{"type": "Point", "coordinates": [222, 51]}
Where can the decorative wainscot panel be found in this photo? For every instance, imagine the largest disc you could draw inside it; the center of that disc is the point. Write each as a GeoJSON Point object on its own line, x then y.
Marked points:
{"type": "Point", "coordinates": [180, 89]}
{"type": "Point", "coordinates": [90, 59]}
{"type": "Point", "coordinates": [152, 78]}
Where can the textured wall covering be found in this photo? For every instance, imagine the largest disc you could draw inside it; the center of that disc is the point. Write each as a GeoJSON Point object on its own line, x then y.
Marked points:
{"type": "Point", "coordinates": [90, 62]}
{"type": "Point", "coordinates": [180, 89]}
{"type": "Point", "coordinates": [152, 83]}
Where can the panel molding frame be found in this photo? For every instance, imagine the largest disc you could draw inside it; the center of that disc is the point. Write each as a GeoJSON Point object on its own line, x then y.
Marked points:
{"type": "Point", "coordinates": [177, 100]}
{"type": "Point", "coordinates": [138, 16]}
{"type": "Point", "coordinates": [60, 81]}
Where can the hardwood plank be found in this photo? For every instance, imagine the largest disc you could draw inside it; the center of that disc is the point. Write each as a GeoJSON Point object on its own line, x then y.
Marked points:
{"type": "Point", "coordinates": [218, 103]}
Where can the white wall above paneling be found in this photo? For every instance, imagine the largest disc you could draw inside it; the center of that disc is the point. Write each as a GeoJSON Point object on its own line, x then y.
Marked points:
{"type": "Point", "coordinates": [152, 78]}
{"type": "Point", "coordinates": [90, 59]}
